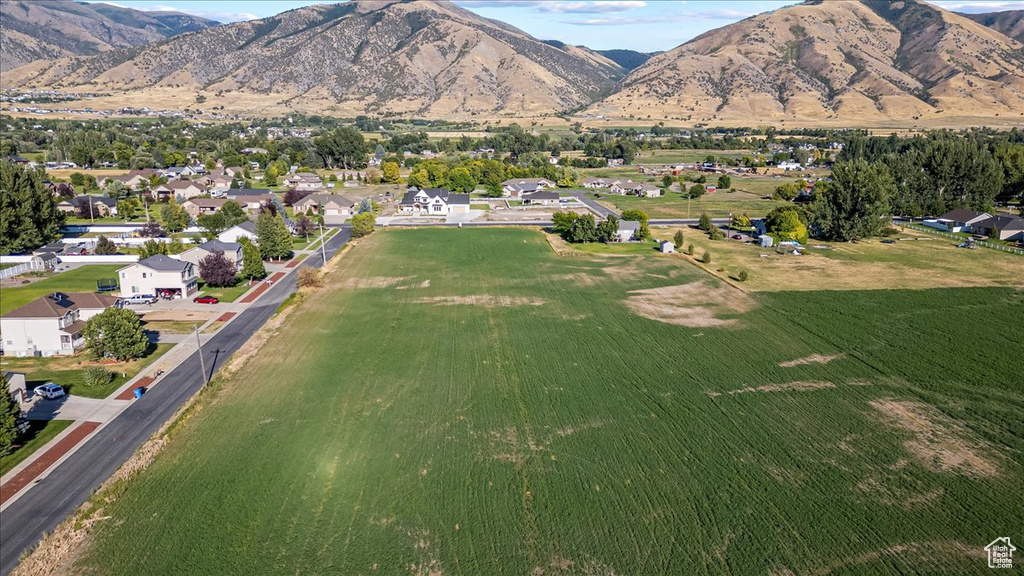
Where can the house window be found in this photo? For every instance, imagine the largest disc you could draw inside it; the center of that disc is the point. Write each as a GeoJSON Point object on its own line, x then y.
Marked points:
{"type": "Point", "coordinates": [123, 275]}
{"type": "Point", "coordinates": [135, 289]}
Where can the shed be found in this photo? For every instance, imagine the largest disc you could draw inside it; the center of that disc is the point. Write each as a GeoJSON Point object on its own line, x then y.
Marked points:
{"type": "Point", "coordinates": [765, 241]}
{"type": "Point", "coordinates": [667, 247]}
{"type": "Point", "coordinates": [16, 385]}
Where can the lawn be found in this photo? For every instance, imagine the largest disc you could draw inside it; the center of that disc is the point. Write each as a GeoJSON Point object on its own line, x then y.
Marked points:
{"type": "Point", "coordinates": [81, 279]}
{"type": "Point", "coordinates": [69, 371]}
{"type": "Point", "coordinates": [673, 205]}
{"type": "Point", "coordinates": [315, 242]}
{"type": "Point", "coordinates": [39, 434]}
{"type": "Point", "coordinates": [469, 402]}
{"type": "Point", "coordinates": [226, 293]}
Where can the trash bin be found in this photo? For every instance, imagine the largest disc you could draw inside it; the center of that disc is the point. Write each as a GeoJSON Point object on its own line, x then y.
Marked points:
{"type": "Point", "coordinates": [139, 391]}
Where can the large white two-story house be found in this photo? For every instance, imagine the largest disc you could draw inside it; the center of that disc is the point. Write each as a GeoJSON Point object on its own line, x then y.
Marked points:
{"type": "Point", "coordinates": [158, 275]}
{"type": "Point", "coordinates": [434, 202]}
{"type": "Point", "coordinates": [52, 324]}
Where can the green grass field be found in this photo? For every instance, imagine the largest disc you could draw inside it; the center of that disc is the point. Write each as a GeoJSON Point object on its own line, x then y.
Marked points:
{"type": "Point", "coordinates": [39, 434]}
{"type": "Point", "coordinates": [69, 371]}
{"type": "Point", "coordinates": [673, 205]}
{"type": "Point", "coordinates": [81, 279]}
{"type": "Point", "coordinates": [529, 413]}
{"type": "Point", "coordinates": [226, 293]}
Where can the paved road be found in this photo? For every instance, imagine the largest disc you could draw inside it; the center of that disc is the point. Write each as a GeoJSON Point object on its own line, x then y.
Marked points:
{"type": "Point", "coordinates": [55, 497]}
{"type": "Point", "coordinates": [592, 203]}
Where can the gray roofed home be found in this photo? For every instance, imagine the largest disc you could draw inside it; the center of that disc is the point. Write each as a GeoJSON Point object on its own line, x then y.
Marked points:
{"type": "Point", "coordinates": [541, 197]}
{"type": "Point", "coordinates": [627, 230]}
{"type": "Point", "coordinates": [164, 263]}
{"type": "Point", "coordinates": [1006, 227]}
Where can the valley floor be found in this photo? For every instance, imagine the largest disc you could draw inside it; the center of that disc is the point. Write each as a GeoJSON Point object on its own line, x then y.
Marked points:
{"type": "Point", "coordinates": [467, 401]}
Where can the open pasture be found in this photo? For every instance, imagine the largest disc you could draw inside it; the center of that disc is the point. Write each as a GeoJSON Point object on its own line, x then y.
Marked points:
{"type": "Point", "coordinates": [470, 402]}
{"type": "Point", "coordinates": [674, 205]}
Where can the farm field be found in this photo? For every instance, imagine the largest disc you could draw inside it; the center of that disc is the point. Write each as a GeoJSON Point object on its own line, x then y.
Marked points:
{"type": "Point", "coordinates": [81, 279]}
{"type": "Point", "coordinates": [467, 401]}
{"type": "Point", "coordinates": [917, 260]}
{"type": "Point", "coordinates": [673, 205]}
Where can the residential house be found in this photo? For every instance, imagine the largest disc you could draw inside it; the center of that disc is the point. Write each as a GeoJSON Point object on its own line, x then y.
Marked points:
{"type": "Point", "coordinates": [303, 181]}
{"type": "Point", "coordinates": [1009, 228]}
{"type": "Point", "coordinates": [246, 229]}
{"type": "Point", "coordinates": [959, 220]}
{"type": "Point", "coordinates": [789, 166]}
{"type": "Point", "coordinates": [434, 202]}
{"type": "Point", "coordinates": [132, 179]}
{"type": "Point", "coordinates": [177, 189]}
{"type": "Point", "coordinates": [234, 171]}
{"type": "Point", "coordinates": [50, 325]}
{"type": "Point", "coordinates": [622, 187]}
{"type": "Point", "coordinates": [196, 207]}
{"type": "Point", "coordinates": [250, 198]}
{"type": "Point", "coordinates": [102, 206]}
{"type": "Point", "coordinates": [61, 189]}
{"type": "Point", "coordinates": [516, 187]}
{"type": "Point", "coordinates": [159, 275]}
{"type": "Point", "coordinates": [219, 184]}
{"type": "Point", "coordinates": [627, 231]}
{"type": "Point", "coordinates": [232, 251]}
{"type": "Point", "coordinates": [542, 198]}
{"type": "Point", "coordinates": [647, 190]}
{"type": "Point", "coordinates": [43, 261]}
{"type": "Point", "coordinates": [596, 183]}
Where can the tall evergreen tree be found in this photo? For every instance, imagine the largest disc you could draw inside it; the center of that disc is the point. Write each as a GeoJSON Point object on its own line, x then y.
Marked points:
{"type": "Point", "coordinates": [28, 211]}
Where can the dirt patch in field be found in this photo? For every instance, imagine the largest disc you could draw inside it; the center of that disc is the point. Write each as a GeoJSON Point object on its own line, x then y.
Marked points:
{"type": "Point", "coordinates": [356, 283]}
{"type": "Point", "coordinates": [559, 566]}
{"type": "Point", "coordinates": [894, 492]}
{"type": "Point", "coordinates": [940, 442]}
{"type": "Point", "coordinates": [424, 284]}
{"type": "Point", "coordinates": [935, 556]}
{"type": "Point", "coordinates": [812, 359]}
{"type": "Point", "coordinates": [798, 386]}
{"type": "Point", "coordinates": [177, 316]}
{"type": "Point", "coordinates": [485, 300]}
{"type": "Point", "coordinates": [697, 304]}
{"type": "Point", "coordinates": [577, 278]}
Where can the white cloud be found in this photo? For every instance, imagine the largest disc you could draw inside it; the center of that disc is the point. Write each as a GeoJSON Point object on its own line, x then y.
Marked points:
{"type": "Point", "coordinates": [976, 7]}
{"type": "Point", "coordinates": [688, 16]}
{"type": "Point", "coordinates": [218, 15]}
{"type": "Point", "coordinates": [560, 6]}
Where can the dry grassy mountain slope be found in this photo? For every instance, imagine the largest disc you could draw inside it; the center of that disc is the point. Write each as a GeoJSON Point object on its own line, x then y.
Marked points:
{"type": "Point", "coordinates": [423, 57]}
{"type": "Point", "coordinates": [839, 61]}
{"type": "Point", "coordinates": [1010, 22]}
{"type": "Point", "coordinates": [50, 29]}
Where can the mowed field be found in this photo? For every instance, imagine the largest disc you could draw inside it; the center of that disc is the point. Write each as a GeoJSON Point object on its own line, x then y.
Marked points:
{"type": "Point", "coordinates": [470, 402]}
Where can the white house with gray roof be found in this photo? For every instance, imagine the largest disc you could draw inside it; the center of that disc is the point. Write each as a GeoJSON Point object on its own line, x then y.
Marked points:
{"type": "Point", "coordinates": [232, 251]}
{"type": "Point", "coordinates": [157, 275]}
{"type": "Point", "coordinates": [246, 229]}
{"type": "Point", "coordinates": [50, 325]}
{"type": "Point", "coordinates": [434, 202]}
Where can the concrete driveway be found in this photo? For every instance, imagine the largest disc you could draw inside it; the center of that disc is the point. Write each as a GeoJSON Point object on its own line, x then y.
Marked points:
{"type": "Point", "coordinates": [74, 408]}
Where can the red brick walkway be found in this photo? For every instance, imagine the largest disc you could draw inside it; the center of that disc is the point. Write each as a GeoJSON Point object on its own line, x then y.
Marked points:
{"type": "Point", "coordinates": [129, 394]}
{"type": "Point", "coordinates": [293, 263]}
{"type": "Point", "coordinates": [226, 316]}
{"type": "Point", "coordinates": [47, 459]}
{"type": "Point", "coordinates": [263, 287]}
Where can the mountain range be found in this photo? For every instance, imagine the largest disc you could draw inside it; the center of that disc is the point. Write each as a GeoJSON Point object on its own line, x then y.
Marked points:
{"type": "Point", "coordinates": [50, 29]}
{"type": "Point", "coordinates": [841, 62]}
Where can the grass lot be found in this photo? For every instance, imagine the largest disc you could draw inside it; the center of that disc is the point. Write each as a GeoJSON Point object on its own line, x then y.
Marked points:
{"type": "Point", "coordinates": [673, 205]}
{"type": "Point", "coordinates": [685, 156]}
{"type": "Point", "coordinates": [69, 371]}
{"type": "Point", "coordinates": [226, 293]}
{"type": "Point", "coordinates": [518, 415]}
{"type": "Point", "coordinates": [39, 434]}
{"type": "Point", "coordinates": [81, 279]}
{"type": "Point", "coordinates": [917, 260]}
{"type": "Point", "coordinates": [315, 242]}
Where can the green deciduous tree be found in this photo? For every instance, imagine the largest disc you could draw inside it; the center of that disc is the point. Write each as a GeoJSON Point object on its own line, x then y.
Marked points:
{"type": "Point", "coordinates": [678, 239]}
{"type": "Point", "coordinates": [461, 180]}
{"type": "Point", "coordinates": [116, 333]}
{"type": "Point", "coordinates": [563, 222]}
{"type": "Point", "coordinates": [705, 222]}
{"type": "Point", "coordinates": [343, 147]}
{"type": "Point", "coordinates": [638, 216]}
{"type": "Point", "coordinates": [390, 172]}
{"type": "Point", "coordinates": [855, 204]}
{"type": "Point", "coordinates": [606, 230]}
{"type": "Point", "coordinates": [104, 246]}
{"type": "Point", "coordinates": [583, 229]}
{"type": "Point", "coordinates": [152, 248]}
{"type": "Point", "coordinates": [786, 223]}
{"type": "Point", "coordinates": [212, 224]}
{"type": "Point", "coordinates": [233, 213]}
{"type": "Point", "coordinates": [28, 211]}
{"type": "Point", "coordinates": [724, 181]}
{"type": "Point", "coordinates": [174, 217]}
{"type": "Point", "coordinates": [363, 224]}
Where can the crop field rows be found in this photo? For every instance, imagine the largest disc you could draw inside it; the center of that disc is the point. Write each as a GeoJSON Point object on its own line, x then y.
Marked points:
{"type": "Point", "coordinates": [469, 402]}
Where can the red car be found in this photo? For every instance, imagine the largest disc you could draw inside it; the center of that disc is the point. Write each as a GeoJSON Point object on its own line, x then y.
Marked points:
{"type": "Point", "coordinates": [205, 300]}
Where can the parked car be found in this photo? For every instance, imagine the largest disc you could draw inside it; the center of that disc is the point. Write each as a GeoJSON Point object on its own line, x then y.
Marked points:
{"type": "Point", "coordinates": [49, 391]}
{"type": "Point", "coordinates": [205, 300]}
{"type": "Point", "coordinates": [737, 237]}
{"type": "Point", "coordinates": [139, 299]}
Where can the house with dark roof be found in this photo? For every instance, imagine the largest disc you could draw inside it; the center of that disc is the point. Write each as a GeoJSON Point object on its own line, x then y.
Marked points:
{"type": "Point", "coordinates": [517, 187]}
{"type": "Point", "coordinates": [627, 231]}
{"type": "Point", "coordinates": [541, 198]}
{"type": "Point", "coordinates": [177, 189]}
{"type": "Point", "coordinates": [1005, 227]}
{"type": "Point", "coordinates": [434, 202]}
{"type": "Point", "coordinates": [303, 181]}
{"type": "Point", "coordinates": [159, 275]}
{"type": "Point", "coordinates": [92, 206]}
{"type": "Point", "coordinates": [961, 220]}
{"type": "Point", "coordinates": [196, 207]}
{"type": "Point", "coordinates": [232, 251]}
{"type": "Point", "coordinates": [50, 325]}
{"type": "Point", "coordinates": [246, 229]}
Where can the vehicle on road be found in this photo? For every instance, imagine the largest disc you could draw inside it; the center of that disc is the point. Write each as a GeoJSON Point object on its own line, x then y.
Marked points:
{"type": "Point", "coordinates": [205, 300]}
{"type": "Point", "coordinates": [737, 237]}
{"type": "Point", "coordinates": [139, 299]}
{"type": "Point", "coordinates": [50, 391]}
{"type": "Point", "coordinates": [888, 241]}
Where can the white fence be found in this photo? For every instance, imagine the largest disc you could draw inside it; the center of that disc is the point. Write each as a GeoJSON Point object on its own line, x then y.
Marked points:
{"type": "Point", "coordinates": [14, 270]}
{"type": "Point", "coordinates": [99, 259]}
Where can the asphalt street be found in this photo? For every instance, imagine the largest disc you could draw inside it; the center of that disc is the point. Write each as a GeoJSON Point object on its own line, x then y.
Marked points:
{"type": "Point", "coordinates": [55, 497]}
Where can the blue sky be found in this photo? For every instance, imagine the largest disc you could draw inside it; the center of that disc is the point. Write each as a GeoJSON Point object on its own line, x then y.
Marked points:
{"type": "Point", "coordinates": [645, 25]}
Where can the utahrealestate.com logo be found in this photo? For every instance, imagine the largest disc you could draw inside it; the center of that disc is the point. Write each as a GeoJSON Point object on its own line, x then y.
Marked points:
{"type": "Point", "coordinates": [1000, 553]}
